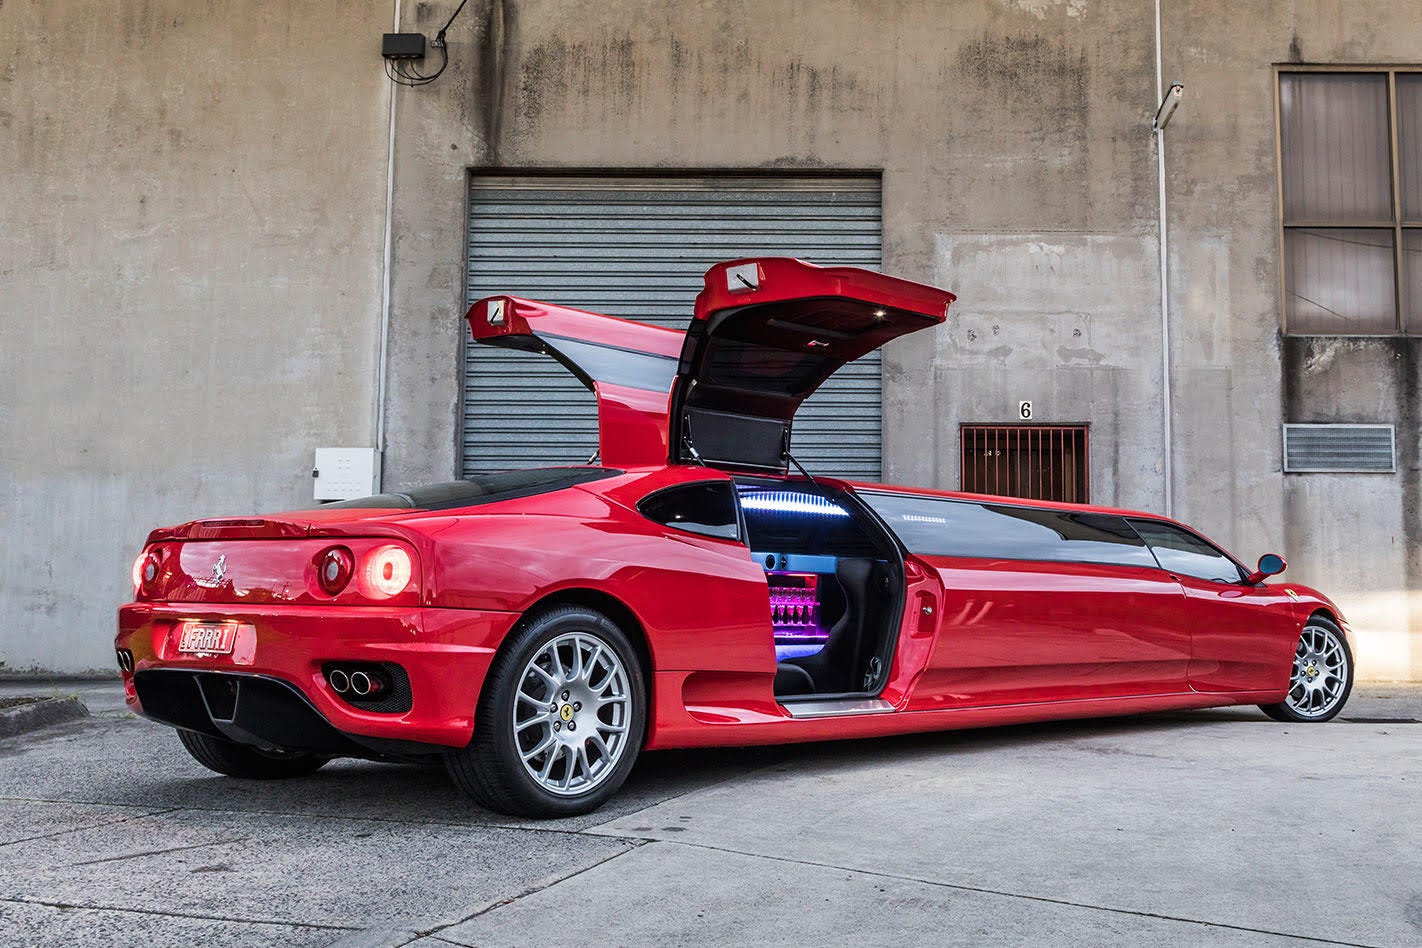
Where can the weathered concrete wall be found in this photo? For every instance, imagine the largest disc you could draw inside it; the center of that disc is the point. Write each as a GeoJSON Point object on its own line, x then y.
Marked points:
{"type": "Point", "coordinates": [1361, 534]}
{"type": "Point", "coordinates": [190, 260]}
{"type": "Point", "coordinates": [1017, 171]}
{"type": "Point", "coordinates": [1356, 536]}
{"type": "Point", "coordinates": [191, 266]}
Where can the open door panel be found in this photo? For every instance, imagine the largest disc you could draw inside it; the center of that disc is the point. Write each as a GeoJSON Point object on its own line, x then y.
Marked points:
{"type": "Point", "coordinates": [766, 334]}
{"type": "Point", "coordinates": [629, 366]}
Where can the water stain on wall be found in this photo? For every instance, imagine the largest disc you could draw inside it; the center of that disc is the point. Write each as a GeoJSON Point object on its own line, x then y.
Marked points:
{"type": "Point", "coordinates": [1025, 74]}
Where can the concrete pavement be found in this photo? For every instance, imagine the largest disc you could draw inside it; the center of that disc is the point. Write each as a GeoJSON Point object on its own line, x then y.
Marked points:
{"type": "Point", "coordinates": [1216, 827]}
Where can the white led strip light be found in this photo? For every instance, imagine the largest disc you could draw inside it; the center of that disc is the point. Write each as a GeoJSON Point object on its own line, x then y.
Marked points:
{"type": "Point", "coordinates": [786, 502]}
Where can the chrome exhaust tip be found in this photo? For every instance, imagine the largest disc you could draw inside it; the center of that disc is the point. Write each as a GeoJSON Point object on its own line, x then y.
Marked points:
{"type": "Point", "coordinates": [339, 680]}
{"type": "Point", "coordinates": [360, 683]}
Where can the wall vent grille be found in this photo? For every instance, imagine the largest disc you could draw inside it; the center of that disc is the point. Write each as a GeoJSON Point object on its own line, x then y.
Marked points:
{"type": "Point", "coordinates": [1339, 448]}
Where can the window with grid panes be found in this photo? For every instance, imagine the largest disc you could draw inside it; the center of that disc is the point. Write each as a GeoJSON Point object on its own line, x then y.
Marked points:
{"type": "Point", "coordinates": [1350, 150]}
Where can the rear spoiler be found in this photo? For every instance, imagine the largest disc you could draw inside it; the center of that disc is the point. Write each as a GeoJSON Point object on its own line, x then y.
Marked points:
{"type": "Point", "coordinates": [629, 366]}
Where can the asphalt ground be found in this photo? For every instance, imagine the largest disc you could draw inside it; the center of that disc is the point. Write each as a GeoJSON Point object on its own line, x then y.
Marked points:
{"type": "Point", "coordinates": [1202, 828]}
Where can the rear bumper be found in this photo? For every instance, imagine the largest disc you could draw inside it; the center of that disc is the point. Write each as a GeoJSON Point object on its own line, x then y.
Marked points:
{"type": "Point", "coordinates": [281, 696]}
{"type": "Point", "coordinates": [256, 710]}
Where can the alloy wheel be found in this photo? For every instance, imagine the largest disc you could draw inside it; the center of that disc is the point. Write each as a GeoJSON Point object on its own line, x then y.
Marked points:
{"type": "Point", "coordinates": [1320, 676]}
{"type": "Point", "coordinates": [572, 713]}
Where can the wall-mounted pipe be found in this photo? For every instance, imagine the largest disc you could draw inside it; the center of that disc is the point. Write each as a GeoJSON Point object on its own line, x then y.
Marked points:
{"type": "Point", "coordinates": [387, 265]}
{"type": "Point", "coordinates": [1167, 450]}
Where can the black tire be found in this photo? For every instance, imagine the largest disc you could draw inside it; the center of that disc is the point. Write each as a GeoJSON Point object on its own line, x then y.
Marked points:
{"type": "Point", "coordinates": [1283, 712]}
{"type": "Point", "coordinates": [238, 760]}
{"type": "Point", "coordinates": [491, 769]}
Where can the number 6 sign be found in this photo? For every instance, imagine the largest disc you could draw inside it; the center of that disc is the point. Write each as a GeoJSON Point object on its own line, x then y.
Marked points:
{"type": "Point", "coordinates": [1024, 410]}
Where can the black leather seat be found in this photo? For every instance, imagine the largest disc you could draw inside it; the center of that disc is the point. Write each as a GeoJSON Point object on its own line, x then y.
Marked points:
{"type": "Point", "coordinates": [839, 666]}
{"type": "Point", "coordinates": [792, 680]}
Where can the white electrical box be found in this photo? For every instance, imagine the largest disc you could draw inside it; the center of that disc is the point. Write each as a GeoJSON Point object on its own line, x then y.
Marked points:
{"type": "Point", "coordinates": [346, 473]}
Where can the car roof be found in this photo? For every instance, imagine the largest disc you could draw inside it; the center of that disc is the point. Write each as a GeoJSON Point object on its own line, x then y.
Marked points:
{"type": "Point", "coordinates": [1002, 499]}
{"type": "Point", "coordinates": [691, 472]}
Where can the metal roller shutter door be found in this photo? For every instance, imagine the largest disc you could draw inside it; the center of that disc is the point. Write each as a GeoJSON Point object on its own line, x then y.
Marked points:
{"type": "Point", "coordinates": [637, 247]}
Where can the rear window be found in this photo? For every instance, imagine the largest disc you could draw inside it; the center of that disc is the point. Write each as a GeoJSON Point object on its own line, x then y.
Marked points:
{"type": "Point", "coordinates": [708, 508]}
{"type": "Point", "coordinates": [941, 527]}
{"type": "Point", "coordinates": [484, 488]}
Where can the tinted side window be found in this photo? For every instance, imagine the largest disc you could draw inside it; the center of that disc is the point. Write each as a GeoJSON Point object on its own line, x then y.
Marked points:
{"type": "Point", "coordinates": [708, 508]}
{"type": "Point", "coordinates": [1006, 532]}
{"type": "Point", "coordinates": [1180, 551]}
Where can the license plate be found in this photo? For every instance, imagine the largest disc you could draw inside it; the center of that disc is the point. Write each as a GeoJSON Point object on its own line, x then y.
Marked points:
{"type": "Point", "coordinates": [207, 638]}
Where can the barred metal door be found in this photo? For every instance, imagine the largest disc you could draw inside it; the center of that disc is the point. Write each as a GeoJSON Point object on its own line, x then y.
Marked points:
{"type": "Point", "coordinates": [1040, 462]}
{"type": "Point", "coordinates": [637, 247]}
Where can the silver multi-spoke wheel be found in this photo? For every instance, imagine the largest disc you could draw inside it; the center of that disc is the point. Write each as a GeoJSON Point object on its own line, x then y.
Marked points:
{"type": "Point", "coordinates": [572, 712]}
{"type": "Point", "coordinates": [560, 719]}
{"type": "Point", "coordinates": [1321, 673]}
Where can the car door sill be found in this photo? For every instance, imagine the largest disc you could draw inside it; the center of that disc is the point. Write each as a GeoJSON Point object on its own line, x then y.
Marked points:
{"type": "Point", "coordinates": [837, 707]}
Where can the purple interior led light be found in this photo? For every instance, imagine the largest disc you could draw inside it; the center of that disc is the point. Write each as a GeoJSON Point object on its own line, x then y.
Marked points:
{"type": "Point", "coordinates": [795, 614]}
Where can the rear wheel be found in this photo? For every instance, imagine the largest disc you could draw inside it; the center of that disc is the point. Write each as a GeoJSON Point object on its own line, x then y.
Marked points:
{"type": "Point", "coordinates": [560, 720]}
{"type": "Point", "coordinates": [239, 760]}
{"type": "Point", "coordinates": [1322, 677]}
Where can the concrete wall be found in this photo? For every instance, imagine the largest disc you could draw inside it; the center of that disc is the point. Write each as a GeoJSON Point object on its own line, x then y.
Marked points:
{"type": "Point", "coordinates": [190, 262]}
{"type": "Point", "coordinates": [204, 187]}
{"type": "Point", "coordinates": [1017, 161]}
{"type": "Point", "coordinates": [1357, 536]}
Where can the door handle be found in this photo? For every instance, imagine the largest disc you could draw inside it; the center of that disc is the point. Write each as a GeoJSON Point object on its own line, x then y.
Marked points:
{"type": "Point", "coordinates": [927, 617]}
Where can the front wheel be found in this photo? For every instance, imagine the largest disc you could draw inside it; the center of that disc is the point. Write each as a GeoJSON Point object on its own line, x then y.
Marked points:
{"type": "Point", "coordinates": [1322, 677]}
{"type": "Point", "coordinates": [560, 720]}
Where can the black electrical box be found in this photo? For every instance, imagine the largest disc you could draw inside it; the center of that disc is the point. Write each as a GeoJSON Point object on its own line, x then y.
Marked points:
{"type": "Point", "coordinates": [403, 46]}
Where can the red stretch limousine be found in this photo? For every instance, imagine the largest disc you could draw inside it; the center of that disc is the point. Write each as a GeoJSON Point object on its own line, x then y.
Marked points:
{"type": "Point", "coordinates": [537, 629]}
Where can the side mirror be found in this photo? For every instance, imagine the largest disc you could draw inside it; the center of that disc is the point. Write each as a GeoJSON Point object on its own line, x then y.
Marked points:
{"type": "Point", "coordinates": [1270, 564]}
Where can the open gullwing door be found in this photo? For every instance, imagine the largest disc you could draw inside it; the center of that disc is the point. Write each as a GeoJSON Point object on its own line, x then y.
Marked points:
{"type": "Point", "coordinates": [629, 366]}
{"type": "Point", "coordinates": [767, 333]}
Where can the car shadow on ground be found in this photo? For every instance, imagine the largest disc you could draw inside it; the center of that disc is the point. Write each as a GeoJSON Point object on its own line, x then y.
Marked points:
{"type": "Point", "coordinates": [365, 790]}
{"type": "Point", "coordinates": [907, 748]}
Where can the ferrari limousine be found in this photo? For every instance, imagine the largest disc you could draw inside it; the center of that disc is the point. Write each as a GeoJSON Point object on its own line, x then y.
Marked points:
{"type": "Point", "coordinates": [693, 585]}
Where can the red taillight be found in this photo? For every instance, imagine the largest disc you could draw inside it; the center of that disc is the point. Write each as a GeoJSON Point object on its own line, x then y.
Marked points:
{"type": "Point", "coordinates": [385, 571]}
{"type": "Point", "coordinates": [334, 569]}
{"type": "Point", "coordinates": [145, 571]}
